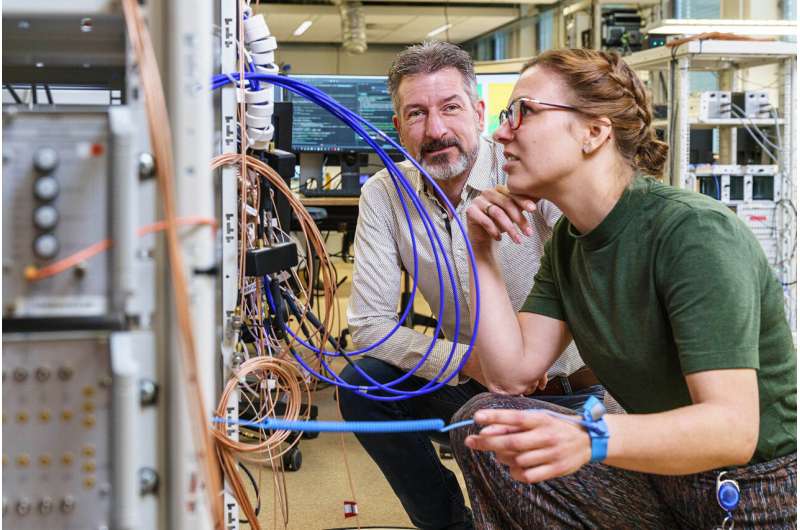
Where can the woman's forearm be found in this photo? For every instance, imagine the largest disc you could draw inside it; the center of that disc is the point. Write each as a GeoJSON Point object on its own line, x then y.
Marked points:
{"type": "Point", "coordinates": [681, 441]}
{"type": "Point", "coordinates": [719, 429]}
{"type": "Point", "coordinates": [499, 341]}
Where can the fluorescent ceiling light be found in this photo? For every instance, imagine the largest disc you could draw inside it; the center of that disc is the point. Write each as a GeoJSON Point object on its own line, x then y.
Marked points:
{"type": "Point", "coordinates": [439, 30]}
{"type": "Point", "coordinates": [740, 27]}
{"type": "Point", "coordinates": [302, 27]}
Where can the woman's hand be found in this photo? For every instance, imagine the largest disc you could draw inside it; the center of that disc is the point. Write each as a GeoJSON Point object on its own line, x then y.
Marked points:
{"type": "Point", "coordinates": [534, 445]}
{"type": "Point", "coordinates": [496, 211]}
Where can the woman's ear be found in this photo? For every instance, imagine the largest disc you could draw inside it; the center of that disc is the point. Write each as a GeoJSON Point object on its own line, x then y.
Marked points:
{"type": "Point", "coordinates": [598, 132]}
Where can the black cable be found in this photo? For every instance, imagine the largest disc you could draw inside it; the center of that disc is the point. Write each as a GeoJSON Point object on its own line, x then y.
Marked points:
{"type": "Point", "coordinates": [255, 487]}
{"type": "Point", "coordinates": [49, 95]}
{"type": "Point", "coordinates": [13, 93]}
{"type": "Point", "coordinates": [289, 298]}
{"type": "Point", "coordinates": [673, 106]}
{"type": "Point", "coordinates": [663, 84]}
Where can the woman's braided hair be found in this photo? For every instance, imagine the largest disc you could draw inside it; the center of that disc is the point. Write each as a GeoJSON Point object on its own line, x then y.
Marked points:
{"type": "Point", "coordinates": [604, 85]}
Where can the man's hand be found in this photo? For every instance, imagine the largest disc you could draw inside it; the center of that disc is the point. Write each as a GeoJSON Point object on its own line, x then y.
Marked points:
{"type": "Point", "coordinates": [534, 445]}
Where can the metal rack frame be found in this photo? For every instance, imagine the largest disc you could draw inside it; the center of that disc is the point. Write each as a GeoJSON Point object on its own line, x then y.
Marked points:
{"type": "Point", "coordinates": [726, 57]}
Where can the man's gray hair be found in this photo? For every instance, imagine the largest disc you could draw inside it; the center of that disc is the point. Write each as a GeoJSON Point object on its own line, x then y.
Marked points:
{"type": "Point", "coordinates": [430, 57]}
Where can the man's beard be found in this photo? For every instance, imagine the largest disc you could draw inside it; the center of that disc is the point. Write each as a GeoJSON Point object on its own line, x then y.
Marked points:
{"type": "Point", "coordinates": [438, 167]}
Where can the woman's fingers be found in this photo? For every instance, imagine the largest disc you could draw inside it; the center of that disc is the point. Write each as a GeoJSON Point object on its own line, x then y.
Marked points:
{"type": "Point", "coordinates": [512, 208]}
{"type": "Point", "coordinates": [497, 211]}
{"type": "Point", "coordinates": [477, 217]}
{"type": "Point", "coordinates": [496, 429]}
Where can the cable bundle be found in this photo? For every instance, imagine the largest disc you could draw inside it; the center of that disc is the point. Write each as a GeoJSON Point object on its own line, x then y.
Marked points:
{"type": "Point", "coordinates": [377, 390]}
{"type": "Point", "coordinates": [263, 382]}
{"type": "Point", "coordinates": [280, 291]}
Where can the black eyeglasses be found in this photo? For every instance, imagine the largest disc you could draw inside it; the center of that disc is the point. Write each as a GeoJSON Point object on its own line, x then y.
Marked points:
{"type": "Point", "coordinates": [516, 110]}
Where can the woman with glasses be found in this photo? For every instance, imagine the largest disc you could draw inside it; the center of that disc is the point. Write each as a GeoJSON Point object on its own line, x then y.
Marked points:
{"type": "Point", "coordinates": [671, 302]}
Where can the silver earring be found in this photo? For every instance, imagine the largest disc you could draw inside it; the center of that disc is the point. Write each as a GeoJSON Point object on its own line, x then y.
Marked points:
{"type": "Point", "coordinates": [586, 149]}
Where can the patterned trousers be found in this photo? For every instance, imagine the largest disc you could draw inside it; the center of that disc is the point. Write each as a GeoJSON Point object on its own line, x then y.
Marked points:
{"type": "Point", "coordinates": [600, 496]}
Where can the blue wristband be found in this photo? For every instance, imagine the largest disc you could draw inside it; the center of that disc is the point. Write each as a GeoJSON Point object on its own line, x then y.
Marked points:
{"type": "Point", "coordinates": [596, 427]}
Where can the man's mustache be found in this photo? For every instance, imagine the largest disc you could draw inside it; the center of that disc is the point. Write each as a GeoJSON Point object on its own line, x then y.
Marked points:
{"type": "Point", "coordinates": [436, 145]}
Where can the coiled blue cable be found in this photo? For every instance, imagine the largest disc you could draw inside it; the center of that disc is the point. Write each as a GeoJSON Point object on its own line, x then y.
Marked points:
{"type": "Point", "coordinates": [355, 121]}
{"type": "Point", "coordinates": [375, 427]}
{"type": "Point", "coordinates": [360, 427]}
{"type": "Point", "coordinates": [432, 385]}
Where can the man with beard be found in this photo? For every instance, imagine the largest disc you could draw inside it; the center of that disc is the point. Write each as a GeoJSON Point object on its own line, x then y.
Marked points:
{"type": "Point", "coordinates": [439, 119]}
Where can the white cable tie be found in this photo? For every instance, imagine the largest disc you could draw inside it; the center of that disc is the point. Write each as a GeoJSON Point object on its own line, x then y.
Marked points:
{"type": "Point", "coordinates": [252, 211]}
{"type": "Point", "coordinates": [264, 45]}
{"type": "Point", "coordinates": [232, 79]}
{"type": "Point", "coordinates": [267, 69]}
{"type": "Point", "coordinates": [240, 92]}
{"type": "Point", "coordinates": [255, 28]}
{"type": "Point", "coordinates": [257, 146]}
{"type": "Point", "coordinates": [248, 57]}
{"type": "Point", "coordinates": [250, 288]}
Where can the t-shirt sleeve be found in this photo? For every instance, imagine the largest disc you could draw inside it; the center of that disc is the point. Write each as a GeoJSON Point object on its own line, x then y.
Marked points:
{"type": "Point", "coordinates": [709, 273]}
{"type": "Point", "coordinates": [545, 296]}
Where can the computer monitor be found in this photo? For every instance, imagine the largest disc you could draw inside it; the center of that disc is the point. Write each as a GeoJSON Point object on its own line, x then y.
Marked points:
{"type": "Point", "coordinates": [315, 130]}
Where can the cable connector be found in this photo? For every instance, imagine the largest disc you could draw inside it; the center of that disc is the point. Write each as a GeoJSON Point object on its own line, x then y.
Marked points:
{"type": "Point", "coordinates": [268, 260]}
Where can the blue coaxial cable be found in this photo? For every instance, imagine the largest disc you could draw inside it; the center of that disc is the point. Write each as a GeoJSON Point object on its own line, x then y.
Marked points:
{"type": "Point", "coordinates": [355, 121]}
{"type": "Point", "coordinates": [360, 427]}
{"type": "Point", "coordinates": [432, 383]}
{"type": "Point", "coordinates": [391, 167]}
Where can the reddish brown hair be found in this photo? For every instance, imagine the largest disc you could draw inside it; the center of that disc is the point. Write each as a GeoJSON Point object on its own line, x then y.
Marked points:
{"type": "Point", "coordinates": [604, 86]}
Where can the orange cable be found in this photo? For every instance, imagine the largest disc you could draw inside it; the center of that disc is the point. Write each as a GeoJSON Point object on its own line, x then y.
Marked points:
{"type": "Point", "coordinates": [161, 142]}
{"type": "Point", "coordinates": [34, 274]}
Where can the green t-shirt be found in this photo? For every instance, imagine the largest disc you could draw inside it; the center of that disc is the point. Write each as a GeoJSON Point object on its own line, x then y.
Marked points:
{"type": "Point", "coordinates": [671, 283]}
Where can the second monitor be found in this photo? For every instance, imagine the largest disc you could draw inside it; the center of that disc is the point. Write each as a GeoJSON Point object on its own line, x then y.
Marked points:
{"type": "Point", "coordinates": [317, 131]}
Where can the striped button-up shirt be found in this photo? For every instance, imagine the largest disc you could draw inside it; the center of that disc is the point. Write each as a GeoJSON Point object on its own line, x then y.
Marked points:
{"type": "Point", "coordinates": [383, 249]}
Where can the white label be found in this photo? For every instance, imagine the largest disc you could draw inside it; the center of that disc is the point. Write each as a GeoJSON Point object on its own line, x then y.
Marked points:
{"type": "Point", "coordinates": [61, 306]}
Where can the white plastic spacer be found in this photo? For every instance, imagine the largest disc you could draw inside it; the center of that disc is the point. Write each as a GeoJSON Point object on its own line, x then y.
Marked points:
{"type": "Point", "coordinates": [262, 46]}
{"type": "Point", "coordinates": [260, 96]}
{"type": "Point", "coordinates": [261, 110]}
{"type": "Point", "coordinates": [261, 135]}
{"type": "Point", "coordinates": [265, 58]}
{"type": "Point", "coordinates": [258, 122]}
{"type": "Point", "coordinates": [255, 28]}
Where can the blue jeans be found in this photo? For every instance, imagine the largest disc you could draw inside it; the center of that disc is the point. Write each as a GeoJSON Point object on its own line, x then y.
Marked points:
{"type": "Point", "coordinates": [428, 491]}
